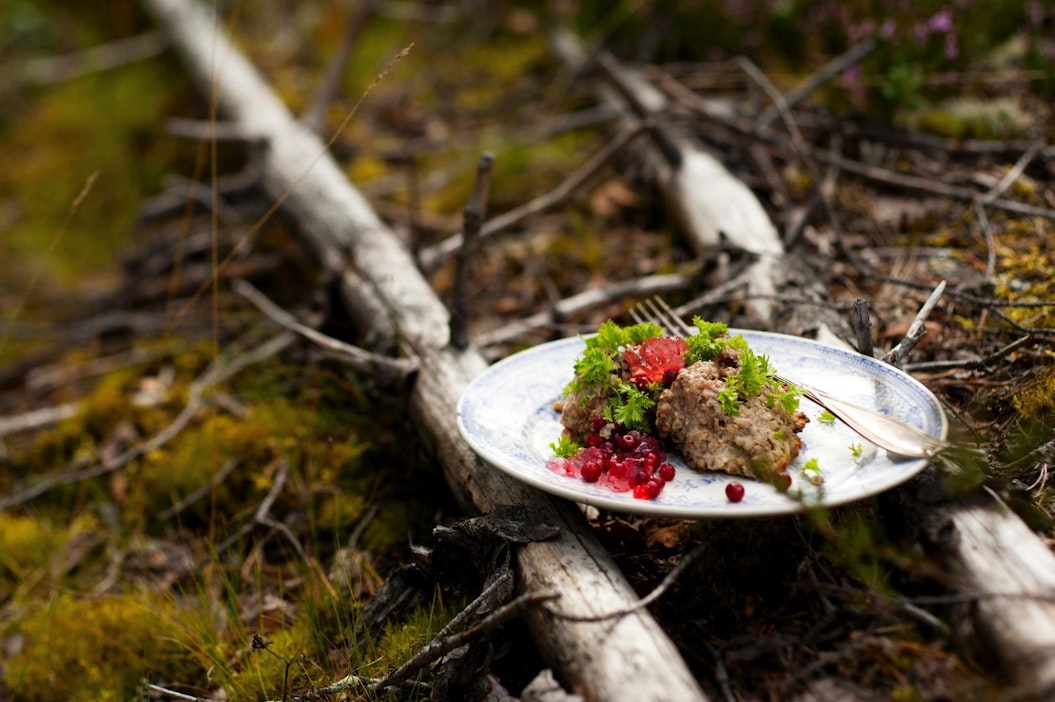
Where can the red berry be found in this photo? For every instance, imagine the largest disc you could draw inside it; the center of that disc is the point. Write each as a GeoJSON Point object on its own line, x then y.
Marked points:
{"type": "Point", "coordinates": [651, 461]}
{"type": "Point", "coordinates": [594, 439]}
{"type": "Point", "coordinates": [669, 376]}
{"type": "Point", "coordinates": [734, 491]}
{"type": "Point", "coordinates": [641, 492]}
{"type": "Point", "coordinates": [655, 486]}
{"type": "Point", "coordinates": [597, 423]}
{"type": "Point", "coordinates": [629, 440]}
{"type": "Point", "coordinates": [591, 471]}
{"type": "Point", "coordinates": [666, 471]}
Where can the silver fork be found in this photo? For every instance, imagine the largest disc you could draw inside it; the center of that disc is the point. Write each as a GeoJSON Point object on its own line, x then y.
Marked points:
{"type": "Point", "coordinates": [886, 432]}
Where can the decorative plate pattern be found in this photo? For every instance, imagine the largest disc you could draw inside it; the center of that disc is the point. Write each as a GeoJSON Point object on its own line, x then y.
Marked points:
{"type": "Point", "coordinates": [507, 416]}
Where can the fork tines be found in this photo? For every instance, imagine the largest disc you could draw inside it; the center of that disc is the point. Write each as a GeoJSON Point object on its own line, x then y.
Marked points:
{"type": "Point", "coordinates": [657, 311]}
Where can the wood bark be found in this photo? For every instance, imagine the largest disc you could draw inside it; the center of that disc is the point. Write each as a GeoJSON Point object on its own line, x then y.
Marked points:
{"type": "Point", "coordinates": [998, 565]}
{"type": "Point", "coordinates": [626, 657]}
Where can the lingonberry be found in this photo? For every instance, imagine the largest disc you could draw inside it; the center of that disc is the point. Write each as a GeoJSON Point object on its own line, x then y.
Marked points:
{"type": "Point", "coordinates": [666, 471]}
{"type": "Point", "coordinates": [641, 492]}
{"type": "Point", "coordinates": [734, 491]}
{"type": "Point", "coordinates": [591, 471]}
{"type": "Point", "coordinates": [597, 423]}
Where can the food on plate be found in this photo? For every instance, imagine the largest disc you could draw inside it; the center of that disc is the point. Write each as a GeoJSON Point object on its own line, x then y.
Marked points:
{"type": "Point", "coordinates": [637, 393]}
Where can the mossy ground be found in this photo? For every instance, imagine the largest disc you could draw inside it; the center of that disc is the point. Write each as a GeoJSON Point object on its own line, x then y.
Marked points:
{"type": "Point", "coordinates": [155, 571]}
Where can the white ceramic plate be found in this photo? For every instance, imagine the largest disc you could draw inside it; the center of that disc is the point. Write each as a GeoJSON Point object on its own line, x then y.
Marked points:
{"type": "Point", "coordinates": [507, 416]}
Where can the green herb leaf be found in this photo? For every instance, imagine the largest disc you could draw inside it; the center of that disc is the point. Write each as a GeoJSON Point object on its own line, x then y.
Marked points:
{"type": "Point", "coordinates": [708, 343]}
{"type": "Point", "coordinates": [565, 447]}
{"type": "Point", "coordinates": [629, 407]}
{"type": "Point", "coordinates": [729, 399]}
{"type": "Point", "coordinates": [826, 417]}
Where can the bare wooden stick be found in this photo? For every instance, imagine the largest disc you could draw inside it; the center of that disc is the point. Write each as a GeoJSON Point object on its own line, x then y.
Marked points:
{"type": "Point", "coordinates": [798, 144]}
{"type": "Point", "coordinates": [587, 300]}
{"type": "Point", "coordinates": [56, 69]}
{"type": "Point", "coordinates": [441, 645]}
{"type": "Point", "coordinates": [837, 65]}
{"type": "Point", "coordinates": [434, 256]}
{"type": "Point", "coordinates": [362, 360]}
{"type": "Point", "coordinates": [916, 330]}
{"type": "Point", "coordinates": [1014, 172]}
{"type": "Point", "coordinates": [990, 240]}
{"type": "Point", "coordinates": [861, 321]}
{"type": "Point", "coordinates": [474, 214]}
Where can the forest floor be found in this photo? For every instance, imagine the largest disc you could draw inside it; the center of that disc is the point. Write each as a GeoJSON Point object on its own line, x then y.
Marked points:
{"type": "Point", "coordinates": [181, 476]}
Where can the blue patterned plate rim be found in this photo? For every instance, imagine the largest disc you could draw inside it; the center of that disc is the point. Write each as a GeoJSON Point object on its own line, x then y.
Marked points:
{"type": "Point", "coordinates": [507, 416]}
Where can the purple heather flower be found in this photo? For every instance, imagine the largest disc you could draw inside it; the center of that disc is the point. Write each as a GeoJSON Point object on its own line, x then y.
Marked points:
{"type": "Point", "coordinates": [941, 22]}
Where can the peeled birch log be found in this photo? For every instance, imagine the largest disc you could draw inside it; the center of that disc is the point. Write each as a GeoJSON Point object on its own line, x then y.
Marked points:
{"type": "Point", "coordinates": [626, 657]}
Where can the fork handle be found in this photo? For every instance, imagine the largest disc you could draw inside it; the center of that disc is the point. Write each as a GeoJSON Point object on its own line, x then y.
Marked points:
{"type": "Point", "coordinates": [884, 431]}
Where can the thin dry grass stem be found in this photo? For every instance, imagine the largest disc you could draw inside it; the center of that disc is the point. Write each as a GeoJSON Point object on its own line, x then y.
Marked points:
{"type": "Point", "coordinates": [252, 231]}
{"type": "Point", "coordinates": [314, 117]}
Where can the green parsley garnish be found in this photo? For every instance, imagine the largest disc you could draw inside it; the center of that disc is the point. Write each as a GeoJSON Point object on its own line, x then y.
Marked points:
{"type": "Point", "coordinates": [856, 450]}
{"type": "Point", "coordinates": [811, 466]}
{"type": "Point", "coordinates": [629, 406]}
{"type": "Point", "coordinates": [595, 373]}
{"type": "Point", "coordinates": [565, 447]}
{"type": "Point", "coordinates": [826, 417]}
{"type": "Point", "coordinates": [708, 343]}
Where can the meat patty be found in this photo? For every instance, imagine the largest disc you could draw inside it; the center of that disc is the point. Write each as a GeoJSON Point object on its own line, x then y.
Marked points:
{"type": "Point", "coordinates": [759, 442]}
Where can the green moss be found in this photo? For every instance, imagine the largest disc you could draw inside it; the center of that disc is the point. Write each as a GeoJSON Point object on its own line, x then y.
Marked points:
{"type": "Point", "coordinates": [404, 638]}
{"type": "Point", "coordinates": [966, 118]}
{"type": "Point", "coordinates": [92, 125]}
{"type": "Point", "coordinates": [96, 649]}
{"type": "Point", "coordinates": [1036, 402]}
{"type": "Point", "coordinates": [264, 675]}
{"type": "Point", "coordinates": [390, 526]}
{"type": "Point", "coordinates": [26, 544]}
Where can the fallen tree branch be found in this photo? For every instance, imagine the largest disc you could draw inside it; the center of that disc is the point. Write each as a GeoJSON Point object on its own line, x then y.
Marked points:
{"type": "Point", "coordinates": [633, 660]}
{"type": "Point", "coordinates": [360, 359]}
